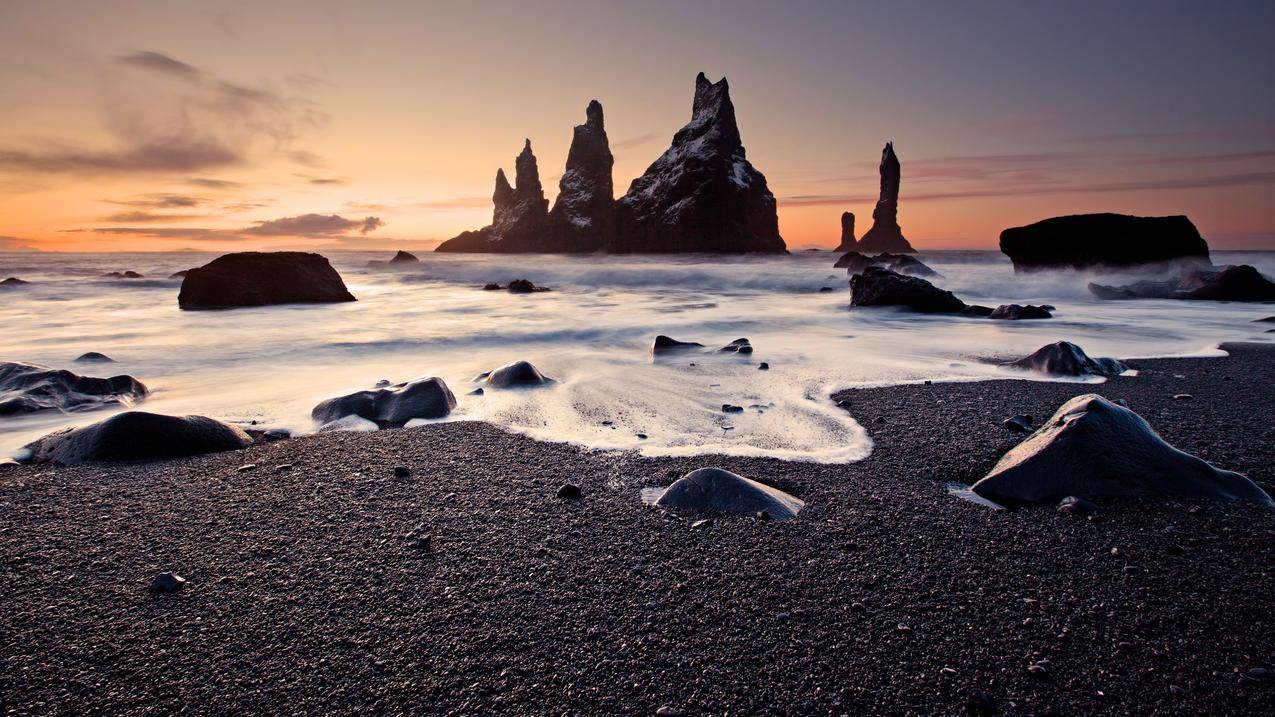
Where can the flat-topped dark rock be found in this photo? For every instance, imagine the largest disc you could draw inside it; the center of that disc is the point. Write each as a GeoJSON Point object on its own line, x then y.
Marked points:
{"type": "Point", "coordinates": [27, 388]}
{"type": "Point", "coordinates": [1064, 358]}
{"type": "Point", "coordinates": [885, 234]}
{"type": "Point", "coordinates": [1083, 241]}
{"type": "Point", "coordinates": [123, 275]}
{"type": "Point", "coordinates": [1231, 283]}
{"type": "Point", "coordinates": [137, 436]}
{"type": "Point", "coordinates": [715, 490]}
{"type": "Point", "coordinates": [262, 279]}
{"type": "Point", "coordinates": [877, 286]}
{"type": "Point", "coordinates": [667, 344]}
{"type": "Point", "coordinates": [391, 406]}
{"type": "Point", "coordinates": [1095, 448]}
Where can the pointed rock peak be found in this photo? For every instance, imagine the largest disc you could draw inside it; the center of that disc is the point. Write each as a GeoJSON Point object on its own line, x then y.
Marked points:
{"type": "Point", "coordinates": [501, 180]}
{"type": "Point", "coordinates": [888, 156]}
{"type": "Point", "coordinates": [503, 190]}
{"type": "Point", "coordinates": [526, 147]}
{"type": "Point", "coordinates": [711, 96]}
{"type": "Point", "coordinates": [593, 115]}
{"type": "Point", "coordinates": [526, 174]}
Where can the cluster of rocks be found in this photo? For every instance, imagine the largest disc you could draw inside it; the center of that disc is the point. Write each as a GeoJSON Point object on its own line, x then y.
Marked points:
{"type": "Point", "coordinates": [27, 388]}
{"type": "Point", "coordinates": [666, 345]}
{"type": "Point", "coordinates": [855, 262]}
{"type": "Point", "coordinates": [1230, 283]}
{"type": "Point", "coordinates": [123, 275]}
{"type": "Point", "coordinates": [878, 286]}
{"type": "Point", "coordinates": [701, 195]}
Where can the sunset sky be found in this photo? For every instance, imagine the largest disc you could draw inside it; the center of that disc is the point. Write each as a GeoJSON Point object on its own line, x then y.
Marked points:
{"type": "Point", "coordinates": [212, 126]}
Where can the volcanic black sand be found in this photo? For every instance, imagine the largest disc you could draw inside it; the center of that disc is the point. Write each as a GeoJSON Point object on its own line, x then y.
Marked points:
{"type": "Point", "coordinates": [310, 591]}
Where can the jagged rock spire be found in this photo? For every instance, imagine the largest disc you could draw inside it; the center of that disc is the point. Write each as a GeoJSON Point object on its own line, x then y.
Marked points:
{"type": "Point", "coordinates": [586, 193]}
{"type": "Point", "coordinates": [527, 175]}
{"type": "Point", "coordinates": [885, 234]}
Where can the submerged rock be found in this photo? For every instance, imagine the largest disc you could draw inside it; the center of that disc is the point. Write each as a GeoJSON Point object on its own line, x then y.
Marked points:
{"type": "Point", "coordinates": [720, 491]}
{"type": "Point", "coordinates": [27, 388]}
{"type": "Point", "coordinates": [738, 346]}
{"type": "Point", "coordinates": [391, 406]}
{"type": "Point", "coordinates": [665, 344]}
{"type": "Point", "coordinates": [885, 234]}
{"type": "Point", "coordinates": [1093, 448]}
{"type": "Point", "coordinates": [123, 275]}
{"type": "Point", "coordinates": [261, 279]}
{"type": "Point", "coordinates": [94, 357]}
{"type": "Point", "coordinates": [137, 436]}
{"type": "Point", "coordinates": [179, 274]}
{"type": "Point", "coordinates": [14, 281]}
{"type": "Point", "coordinates": [1081, 241]}
{"type": "Point", "coordinates": [523, 286]}
{"type": "Point", "coordinates": [1231, 283]}
{"type": "Point", "coordinates": [1067, 359]}
{"type": "Point", "coordinates": [1015, 312]}
{"type": "Point", "coordinates": [403, 257]}
{"type": "Point", "coordinates": [855, 262]}
{"type": "Point", "coordinates": [881, 287]}
{"type": "Point", "coordinates": [516, 374]}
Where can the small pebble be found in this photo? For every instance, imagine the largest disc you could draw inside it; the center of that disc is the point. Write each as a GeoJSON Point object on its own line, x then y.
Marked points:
{"type": "Point", "coordinates": [570, 491]}
{"type": "Point", "coordinates": [402, 472]}
{"type": "Point", "coordinates": [246, 468]}
{"type": "Point", "coordinates": [1182, 397]}
{"type": "Point", "coordinates": [981, 701]}
{"type": "Point", "coordinates": [167, 583]}
{"type": "Point", "coordinates": [667, 711]}
{"type": "Point", "coordinates": [731, 408]}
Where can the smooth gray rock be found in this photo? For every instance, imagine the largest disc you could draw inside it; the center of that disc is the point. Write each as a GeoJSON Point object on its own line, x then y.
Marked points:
{"type": "Point", "coordinates": [668, 344]}
{"type": "Point", "coordinates": [1016, 312]}
{"type": "Point", "coordinates": [27, 388]}
{"type": "Point", "coordinates": [1092, 448]}
{"type": "Point", "coordinates": [1067, 359]}
{"type": "Point", "coordinates": [137, 436]}
{"type": "Point", "coordinates": [391, 406]}
{"type": "Point", "coordinates": [720, 491]}
{"type": "Point", "coordinates": [517, 374]}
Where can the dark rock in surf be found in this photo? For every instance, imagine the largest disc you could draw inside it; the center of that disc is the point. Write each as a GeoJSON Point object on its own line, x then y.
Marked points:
{"type": "Point", "coordinates": [515, 375]}
{"type": "Point", "coordinates": [1231, 283]}
{"type": "Point", "coordinates": [584, 213]}
{"type": "Point", "coordinates": [1067, 359]}
{"type": "Point", "coordinates": [137, 436]}
{"type": "Point", "coordinates": [391, 406]}
{"type": "Point", "coordinates": [1082, 241]}
{"type": "Point", "coordinates": [179, 274]}
{"type": "Point", "coordinates": [666, 344]}
{"type": "Point", "coordinates": [14, 281]}
{"type": "Point", "coordinates": [848, 242]}
{"type": "Point", "coordinates": [720, 491]}
{"type": "Point", "coordinates": [881, 287]}
{"type": "Point", "coordinates": [1094, 448]}
{"type": "Point", "coordinates": [885, 234]}
{"type": "Point", "coordinates": [94, 357]}
{"type": "Point", "coordinates": [123, 275]}
{"type": "Point", "coordinates": [981, 312]}
{"type": "Point", "coordinates": [403, 257]}
{"type": "Point", "coordinates": [523, 286]}
{"type": "Point", "coordinates": [493, 286]}
{"type": "Point", "coordinates": [1016, 312]}
{"type": "Point", "coordinates": [261, 279]}
{"type": "Point", "coordinates": [738, 346]}
{"type": "Point", "coordinates": [854, 262]}
{"type": "Point", "coordinates": [702, 194]}
{"type": "Point", "coordinates": [1268, 319]}
{"type": "Point", "coordinates": [27, 388]}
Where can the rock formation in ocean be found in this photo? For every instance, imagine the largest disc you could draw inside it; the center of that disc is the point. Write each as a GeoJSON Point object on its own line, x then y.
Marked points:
{"type": "Point", "coordinates": [885, 234]}
{"type": "Point", "coordinates": [1082, 241]}
{"type": "Point", "coordinates": [137, 436]}
{"type": "Point", "coordinates": [404, 257]}
{"type": "Point", "coordinates": [14, 281]}
{"type": "Point", "coordinates": [1017, 312]}
{"type": "Point", "coordinates": [262, 279]}
{"type": "Point", "coordinates": [391, 406]}
{"type": "Point", "coordinates": [878, 286]}
{"type": "Point", "coordinates": [1094, 448]}
{"type": "Point", "coordinates": [1230, 283]}
{"type": "Point", "coordinates": [27, 388]}
{"type": "Point", "coordinates": [584, 212]}
{"type": "Point", "coordinates": [702, 194]}
{"type": "Point", "coordinates": [520, 218]}
{"type": "Point", "coordinates": [848, 242]}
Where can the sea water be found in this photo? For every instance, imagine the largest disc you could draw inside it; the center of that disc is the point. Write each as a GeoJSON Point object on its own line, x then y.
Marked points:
{"type": "Point", "coordinates": [592, 333]}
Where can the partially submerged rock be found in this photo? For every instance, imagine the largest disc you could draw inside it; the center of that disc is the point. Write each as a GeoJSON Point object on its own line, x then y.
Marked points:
{"type": "Point", "coordinates": [261, 279]}
{"type": "Point", "coordinates": [1093, 448]}
{"type": "Point", "coordinates": [666, 344]}
{"type": "Point", "coordinates": [524, 286]}
{"type": "Point", "coordinates": [1081, 241]}
{"type": "Point", "coordinates": [94, 357]}
{"type": "Point", "coordinates": [1016, 312]}
{"type": "Point", "coordinates": [1067, 359]}
{"type": "Point", "coordinates": [391, 406]}
{"type": "Point", "coordinates": [738, 346]}
{"type": "Point", "coordinates": [14, 281]}
{"type": "Point", "coordinates": [123, 275]}
{"type": "Point", "coordinates": [27, 388]}
{"type": "Point", "coordinates": [881, 287]}
{"type": "Point", "coordinates": [1231, 283]}
{"type": "Point", "coordinates": [720, 491]}
{"type": "Point", "coordinates": [403, 257]}
{"type": "Point", "coordinates": [856, 262]}
{"type": "Point", "coordinates": [516, 374]}
{"type": "Point", "coordinates": [137, 436]}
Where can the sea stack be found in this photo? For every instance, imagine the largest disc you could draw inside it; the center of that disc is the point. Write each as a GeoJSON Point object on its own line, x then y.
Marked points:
{"type": "Point", "coordinates": [885, 234]}
{"type": "Point", "coordinates": [584, 211]}
{"type": "Point", "coordinates": [847, 233]}
{"type": "Point", "coordinates": [702, 194]}
{"type": "Point", "coordinates": [520, 220]}
{"type": "Point", "coordinates": [1104, 241]}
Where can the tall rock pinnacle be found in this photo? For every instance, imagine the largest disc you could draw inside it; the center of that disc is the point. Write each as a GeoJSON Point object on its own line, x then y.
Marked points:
{"type": "Point", "coordinates": [520, 217]}
{"type": "Point", "coordinates": [585, 208]}
{"type": "Point", "coordinates": [702, 194]}
{"type": "Point", "coordinates": [847, 233]}
{"type": "Point", "coordinates": [885, 234]}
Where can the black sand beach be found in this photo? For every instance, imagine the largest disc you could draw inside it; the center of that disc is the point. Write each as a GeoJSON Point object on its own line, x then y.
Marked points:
{"type": "Point", "coordinates": [310, 592]}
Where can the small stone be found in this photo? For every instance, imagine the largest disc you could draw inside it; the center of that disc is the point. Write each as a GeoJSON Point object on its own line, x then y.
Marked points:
{"type": "Point", "coordinates": [1176, 691]}
{"type": "Point", "coordinates": [1038, 670]}
{"type": "Point", "coordinates": [929, 382]}
{"type": "Point", "coordinates": [283, 467]}
{"type": "Point", "coordinates": [1018, 424]}
{"type": "Point", "coordinates": [904, 629]}
{"type": "Point", "coordinates": [1182, 397]}
{"type": "Point", "coordinates": [667, 711]}
{"type": "Point", "coordinates": [1075, 505]}
{"type": "Point", "coordinates": [1131, 569]}
{"type": "Point", "coordinates": [167, 583]}
{"type": "Point", "coordinates": [477, 392]}
{"type": "Point", "coordinates": [783, 617]}
{"type": "Point", "coordinates": [570, 491]}
{"type": "Point", "coordinates": [763, 516]}
{"type": "Point", "coordinates": [402, 472]}
{"type": "Point", "coordinates": [641, 436]}
{"type": "Point", "coordinates": [731, 408]}
{"type": "Point", "coordinates": [423, 542]}
{"type": "Point", "coordinates": [858, 607]}
{"type": "Point", "coordinates": [763, 366]}
{"type": "Point", "coordinates": [1259, 673]}
{"type": "Point", "coordinates": [947, 672]}
{"type": "Point", "coordinates": [879, 419]}
{"type": "Point", "coordinates": [247, 468]}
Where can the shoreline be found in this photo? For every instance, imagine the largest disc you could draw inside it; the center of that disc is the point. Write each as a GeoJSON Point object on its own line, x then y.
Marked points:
{"type": "Point", "coordinates": [307, 594]}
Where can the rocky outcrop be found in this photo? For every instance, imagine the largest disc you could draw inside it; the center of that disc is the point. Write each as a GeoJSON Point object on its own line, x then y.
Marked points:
{"type": "Point", "coordinates": [1094, 448]}
{"type": "Point", "coordinates": [520, 219]}
{"type": "Point", "coordinates": [403, 257]}
{"type": "Point", "coordinates": [855, 262]}
{"type": "Point", "coordinates": [261, 279]}
{"type": "Point", "coordinates": [1017, 312]}
{"type": "Point", "coordinates": [878, 286]}
{"type": "Point", "coordinates": [137, 436]}
{"type": "Point", "coordinates": [719, 491]}
{"type": "Point", "coordinates": [27, 388]}
{"type": "Point", "coordinates": [1083, 241]}
{"type": "Point", "coordinates": [1067, 359]}
{"type": "Point", "coordinates": [584, 212]}
{"type": "Point", "coordinates": [848, 242]}
{"type": "Point", "coordinates": [14, 281]}
{"type": "Point", "coordinates": [1231, 283]}
{"type": "Point", "coordinates": [515, 375]}
{"type": "Point", "coordinates": [123, 275]}
{"type": "Point", "coordinates": [391, 406]}
{"type": "Point", "coordinates": [667, 344]}
{"type": "Point", "coordinates": [702, 194]}
{"type": "Point", "coordinates": [885, 234]}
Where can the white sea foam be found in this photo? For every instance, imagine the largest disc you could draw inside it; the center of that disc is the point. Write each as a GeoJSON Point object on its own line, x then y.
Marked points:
{"type": "Point", "coordinates": [593, 334]}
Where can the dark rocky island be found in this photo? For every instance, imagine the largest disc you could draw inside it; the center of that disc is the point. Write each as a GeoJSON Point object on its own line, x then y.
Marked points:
{"type": "Point", "coordinates": [885, 234]}
{"type": "Point", "coordinates": [262, 279]}
{"type": "Point", "coordinates": [1084, 241]}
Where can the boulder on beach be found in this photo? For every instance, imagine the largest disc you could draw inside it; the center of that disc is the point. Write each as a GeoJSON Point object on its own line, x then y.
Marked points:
{"type": "Point", "coordinates": [877, 286]}
{"type": "Point", "coordinates": [14, 281]}
{"type": "Point", "coordinates": [666, 344]}
{"type": "Point", "coordinates": [27, 388]}
{"type": "Point", "coordinates": [1230, 283]}
{"type": "Point", "coordinates": [720, 491]}
{"type": "Point", "coordinates": [261, 279]}
{"type": "Point", "coordinates": [1095, 448]}
{"type": "Point", "coordinates": [403, 257]}
{"type": "Point", "coordinates": [515, 375]}
{"type": "Point", "coordinates": [94, 357]}
{"type": "Point", "coordinates": [391, 406]}
{"type": "Point", "coordinates": [137, 436]}
{"type": "Point", "coordinates": [1082, 241]}
{"type": "Point", "coordinates": [1015, 312]}
{"type": "Point", "coordinates": [1067, 359]}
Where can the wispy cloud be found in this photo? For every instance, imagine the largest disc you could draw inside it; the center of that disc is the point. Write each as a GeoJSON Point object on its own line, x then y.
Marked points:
{"type": "Point", "coordinates": [210, 183]}
{"type": "Point", "coordinates": [160, 201]}
{"type": "Point", "coordinates": [314, 225]}
{"type": "Point", "coordinates": [159, 62]}
{"type": "Point", "coordinates": [304, 226]}
{"type": "Point", "coordinates": [8, 243]}
{"type": "Point", "coordinates": [143, 216]}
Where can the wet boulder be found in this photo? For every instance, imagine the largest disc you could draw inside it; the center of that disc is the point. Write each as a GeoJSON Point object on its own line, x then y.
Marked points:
{"type": "Point", "coordinates": [137, 436]}
{"type": "Point", "coordinates": [877, 286]}
{"type": "Point", "coordinates": [854, 262]}
{"type": "Point", "coordinates": [905, 264]}
{"type": "Point", "coordinates": [738, 346]}
{"type": "Point", "coordinates": [1231, 283]}
{"type": "Point", "coordinates": [262, 279]}
{"type": "Point", "coordinates": [524, 286]}
{"type": "Point", "coordinates": [1095, 448]}
{"type": "Point", "coordinates": [720, 491]}
{"type": "Point", "coordinates": [391, 406]}
{"type": "Point", "coordinates": [1016, 312]}
{"type": "Point", "coordinates": [1067, 359]}
{"type": "Point", "coordinates": [666, 344]}
{"type": "Point", "coordinates": [515, 375]}
{"type": "Point", "coordinates": [27, 388]}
